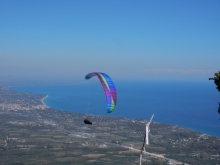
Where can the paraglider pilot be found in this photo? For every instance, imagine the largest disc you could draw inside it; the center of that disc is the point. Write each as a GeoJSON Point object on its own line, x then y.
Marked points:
{"type": "Point", "coordinates": [86, 121]}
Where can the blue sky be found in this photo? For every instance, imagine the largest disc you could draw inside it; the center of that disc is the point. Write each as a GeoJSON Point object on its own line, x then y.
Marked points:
{"type": "Point", "coordinates": [150, 40]}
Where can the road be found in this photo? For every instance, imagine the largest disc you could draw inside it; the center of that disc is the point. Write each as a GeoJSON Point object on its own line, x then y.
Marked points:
{"type": "Point", "coordinates": [175, 162]}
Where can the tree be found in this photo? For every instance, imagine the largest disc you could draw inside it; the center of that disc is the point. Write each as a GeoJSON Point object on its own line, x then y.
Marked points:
{"type": "Point", "coordinates": [216, 80]}
{"type": "Point", "coordinates": [217, 83]}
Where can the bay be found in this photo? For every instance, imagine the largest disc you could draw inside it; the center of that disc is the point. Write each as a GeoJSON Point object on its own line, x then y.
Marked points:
{"type": "Point", "coordinates": [192, 105]}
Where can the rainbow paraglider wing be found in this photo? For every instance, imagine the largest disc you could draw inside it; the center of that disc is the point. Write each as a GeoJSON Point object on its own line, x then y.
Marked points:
{"type": "Point", "coordinates": [109, 88]}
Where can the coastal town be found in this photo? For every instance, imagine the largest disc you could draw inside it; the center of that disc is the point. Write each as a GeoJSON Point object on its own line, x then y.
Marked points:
{"type": "Point", "coordinates": [32, 133]}
{"type": "Point", "coordinates": [18, 101]}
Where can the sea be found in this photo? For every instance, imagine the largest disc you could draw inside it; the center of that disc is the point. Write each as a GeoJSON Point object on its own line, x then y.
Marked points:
{"type": "Point", "coordinates": [193, 105]}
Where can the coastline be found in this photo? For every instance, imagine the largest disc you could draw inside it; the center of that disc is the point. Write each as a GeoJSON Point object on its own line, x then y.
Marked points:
{"type": "Point", "coordinates": [174, 120]}
{"type": "Point", "coordinates": [42, 100]}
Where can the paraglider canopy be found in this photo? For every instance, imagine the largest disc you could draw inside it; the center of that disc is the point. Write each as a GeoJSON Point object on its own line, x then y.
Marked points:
{"type": "Point", "coordinates": [109, 89]}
